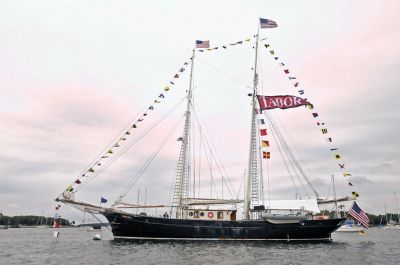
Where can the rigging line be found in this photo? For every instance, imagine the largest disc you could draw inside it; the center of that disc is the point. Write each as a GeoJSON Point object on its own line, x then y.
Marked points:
{"type": "Point", "coordinates": [222, 66]}
{"type": "Point", "coordinates": [212, 158]}
{"type": "Point", "coordinates": [281, 153]}
{"type": "Point", "coordinates": [217, 162]}
{"type": "Point", "coordinates": [222, 72]}
{"type": "Point", "coordinates": [288, 154]}
{"type": "Point", "coordinates": [304, 164]}
{"type": "Point", "coordinates": [193, 150]}
{"type": "Point", "coordinates": [112, 142]}
{"type": "Point", "coordinates": [293, 160]}
{"type": "Point", "coordinates": [268, 180]}
{"type": "Point", "coordinates": [241, 183]}
{"type": "Point", "coordinates": [298, 151]}
{"type": "Point", "coordinates": [199, 176]}
{"type": "Point", "coordinates": [193, 141]}
{"type": "Point", "coordinates": [261, 88]}
{"type": "Point", "coordinates": [84, 210]}
{"type": "Point", "coordinates": [329, 187]}
{"type": "Point", "coordinates": [260, 159]}
{"type": "Point", "coordinates": [212, 146]}
{"type": "Point", "coordinates": [127, 147]}
{"type": "Point", "coordinates": [149, 161]}
{"type": "Point", "coordinates": [208, 159]}
{"type": "Point", "coordinates": [118, 136]}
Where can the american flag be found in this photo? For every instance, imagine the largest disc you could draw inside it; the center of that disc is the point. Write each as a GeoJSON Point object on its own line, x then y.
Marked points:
{"type": "Point", "coordinates": [359, 215]}
{"type": "Point", "coordinates": [267, 23]}
{"type": "Point", "coordinates": [202, 44]}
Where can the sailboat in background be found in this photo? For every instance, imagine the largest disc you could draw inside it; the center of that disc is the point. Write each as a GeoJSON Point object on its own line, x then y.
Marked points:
{"type": "Point", "coordinates": [189, 216]}
{"type": "Point", "coordinates": [41, 224]}
{"type": "Point", "coordinates": [350, 227]}
{"type": "Point", "coordinates": [5, 226]}
{"type": "Point", "coordinates": [390, 223]}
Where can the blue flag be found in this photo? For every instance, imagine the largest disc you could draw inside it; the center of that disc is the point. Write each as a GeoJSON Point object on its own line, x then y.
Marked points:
{"type": "Point", "coordinates": [103, 200]}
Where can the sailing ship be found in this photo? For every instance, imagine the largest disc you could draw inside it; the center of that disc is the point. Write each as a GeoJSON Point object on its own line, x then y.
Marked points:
{"type": "Point", "coordinates": [191, 217]}
{"type": "Point", "coordinates": [390, 222]}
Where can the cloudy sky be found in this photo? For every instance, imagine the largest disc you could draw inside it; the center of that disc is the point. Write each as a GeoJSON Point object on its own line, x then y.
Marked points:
{"type": "Point", "coordinates": [74, 74]}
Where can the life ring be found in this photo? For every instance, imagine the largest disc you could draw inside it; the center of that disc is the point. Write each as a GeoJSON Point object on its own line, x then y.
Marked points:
{"type": "Point", "coordinates": [210, 214]}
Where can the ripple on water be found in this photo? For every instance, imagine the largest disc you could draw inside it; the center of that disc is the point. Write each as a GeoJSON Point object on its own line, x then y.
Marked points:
{"type": "Point", "coordinates": [75, 246]}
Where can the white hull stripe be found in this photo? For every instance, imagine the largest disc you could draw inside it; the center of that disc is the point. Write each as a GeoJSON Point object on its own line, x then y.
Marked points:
{"type": "Point", "coordinates": [223, 239]}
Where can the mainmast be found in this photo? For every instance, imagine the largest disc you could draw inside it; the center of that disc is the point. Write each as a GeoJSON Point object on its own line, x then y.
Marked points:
{"type": "Point", "coordinates": [252, 169]}
{"type": "Point", "coordinates": [181, 184]}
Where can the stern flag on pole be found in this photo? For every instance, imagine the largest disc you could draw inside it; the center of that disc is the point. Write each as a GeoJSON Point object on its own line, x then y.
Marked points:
{"type": "Point", "coordinates": [359, 215]}
{"type": "Point", "coordinates": [202, 44]}
{"type": "Point", "coordinates": [267, 23]}
{"type": "Point", "coordinates": [103, 200]}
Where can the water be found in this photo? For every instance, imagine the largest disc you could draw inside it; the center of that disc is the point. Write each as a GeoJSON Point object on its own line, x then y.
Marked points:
{"type": "Point", "coordinates": [75, 246]}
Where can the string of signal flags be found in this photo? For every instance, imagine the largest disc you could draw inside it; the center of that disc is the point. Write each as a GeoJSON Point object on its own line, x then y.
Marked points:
{"type": "Point", "coordinates": [321, 125]}
{"type": "Point", "coordinates": [112, 150]}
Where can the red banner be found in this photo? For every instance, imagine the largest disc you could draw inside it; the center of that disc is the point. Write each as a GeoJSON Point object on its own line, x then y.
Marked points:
{"type": "Point", "coordinates": [282, 102]}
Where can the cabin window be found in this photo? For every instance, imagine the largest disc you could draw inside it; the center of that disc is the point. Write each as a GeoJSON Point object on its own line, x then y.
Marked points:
{"type": "Point", "coordinates": [220, 215]}
{"type": "Point", "coordinates": [201, 214]}
{"type": "Point", "coordinates": [196, 214]}
{"type": "Point", "coordinates": [190, 213]}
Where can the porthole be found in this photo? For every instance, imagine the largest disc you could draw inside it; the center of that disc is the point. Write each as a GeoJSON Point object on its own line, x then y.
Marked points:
{"type": "Point", "coordinates": [190, 213]}
{"type": "Point", "coordinates": [201, 214]}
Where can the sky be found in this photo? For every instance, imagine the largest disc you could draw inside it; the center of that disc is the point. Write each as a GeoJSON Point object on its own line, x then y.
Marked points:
{"type": "Point", "coordinates": [74, 74]}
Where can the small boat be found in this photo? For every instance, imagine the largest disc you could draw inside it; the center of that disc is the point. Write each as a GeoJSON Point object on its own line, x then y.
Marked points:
{"type": "Point", "coordinates": [350, 227]}
{"type": "Point", "coordinates": [390, 219]}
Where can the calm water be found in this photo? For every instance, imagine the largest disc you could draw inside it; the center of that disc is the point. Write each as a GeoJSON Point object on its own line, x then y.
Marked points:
{"type": "Point", "coordinates": [75, 246]}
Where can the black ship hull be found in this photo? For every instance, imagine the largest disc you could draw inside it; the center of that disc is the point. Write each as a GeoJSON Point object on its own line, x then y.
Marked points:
{"type": "Point", "coordinates": [129, 226]}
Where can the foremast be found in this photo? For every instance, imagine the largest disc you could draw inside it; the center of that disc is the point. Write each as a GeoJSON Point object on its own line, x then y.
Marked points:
{"type": "Point", "coordinates": [254, 166]}
{"type": "Point", "coordinates": [182, 178]}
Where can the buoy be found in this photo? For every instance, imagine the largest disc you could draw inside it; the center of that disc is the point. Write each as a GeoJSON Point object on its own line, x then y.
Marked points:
{"type": "Point", "coordinates": [97, 237]}
{"type": "Point", "coordinates": [362, 233]}
{"type": "Point", "coordinates": [56, 233]}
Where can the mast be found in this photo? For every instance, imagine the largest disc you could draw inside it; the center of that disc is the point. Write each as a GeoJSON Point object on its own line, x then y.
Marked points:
{"type": "Point", "coordinates": [253, 157]}
{"type": "Point", "coordinates": [396, 209]}
{"type": "Point", "coordinates": [184, 158]}
{"type": "Point", "coordinates": [334, 196]}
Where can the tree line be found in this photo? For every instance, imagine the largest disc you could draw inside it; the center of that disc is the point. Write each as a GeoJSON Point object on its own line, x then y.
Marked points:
{"type": "Point", "coordinates": [30, 220]}
{"type": "Point", "coordinates": [374, 220]}
{"type": "Point", "coordinates": [33, 220]}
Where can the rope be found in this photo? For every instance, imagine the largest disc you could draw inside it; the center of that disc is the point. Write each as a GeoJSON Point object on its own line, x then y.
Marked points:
{"type": "Point", "coordinates": [148, 162]}
{"type": "Point", "coordinates": [127, 147]}
{"type": "Point", "coordinates": [219, 161]}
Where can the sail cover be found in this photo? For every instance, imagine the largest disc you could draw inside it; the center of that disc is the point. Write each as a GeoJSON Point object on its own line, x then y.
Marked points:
{"type": "Point", "coordinates": [282, 102]}
{"type": "Point", "coordinates": [305, 205]}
